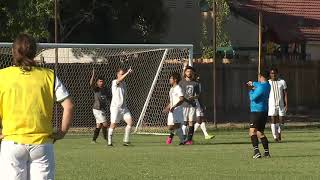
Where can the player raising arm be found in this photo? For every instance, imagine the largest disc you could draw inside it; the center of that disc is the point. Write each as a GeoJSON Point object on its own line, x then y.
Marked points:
{"type": "Point", "coordinates": [99, 106]}
{"type": "Point", "coordinates": [118, 107]}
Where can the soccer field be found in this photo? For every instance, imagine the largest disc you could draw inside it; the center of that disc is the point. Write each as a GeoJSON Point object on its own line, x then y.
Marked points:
{"type": "Point", "coordinates": [226, 157]}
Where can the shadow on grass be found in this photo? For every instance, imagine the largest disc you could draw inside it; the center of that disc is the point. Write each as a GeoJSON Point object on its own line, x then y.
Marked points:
{"type": "Point", "coordinates": [226, 143]}
{"type": "Point", "coordinates": [249, 142]}
{"type": "Point", "coordinates": [298, 156]}
{"type": "Point", "coordinates": [296, 141]}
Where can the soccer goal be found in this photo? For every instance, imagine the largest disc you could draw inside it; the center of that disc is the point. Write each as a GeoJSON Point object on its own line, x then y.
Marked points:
{"type": "Point", "coordinates": [148, 85]}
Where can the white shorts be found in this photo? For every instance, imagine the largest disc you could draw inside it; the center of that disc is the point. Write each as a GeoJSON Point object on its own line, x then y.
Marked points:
{"type": "Point", "coordinates": [279, 111]}
{"type": "Point", "coordinates": [22, 162]}
{"type": "Point", "coordinates": [118, 114]}
{"type": "Point", "coordinates": [189, 114]}
{"type": "Point", "coordinates": [199, 112]}
{"type": "Point", "coordinates": [100, 116]}
{"type": "Point", "coordinates": [175, 117]}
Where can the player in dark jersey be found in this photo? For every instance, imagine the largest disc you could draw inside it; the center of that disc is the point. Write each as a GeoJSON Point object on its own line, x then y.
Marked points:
{"type": "Point", "coordinates": [191, 93]}
{"type": "Point", "coordinates": [200, 113]}
{"type": "Point", "coordinates": [101, 97]}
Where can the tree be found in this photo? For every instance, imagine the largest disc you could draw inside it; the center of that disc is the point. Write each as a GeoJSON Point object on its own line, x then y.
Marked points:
{"type": "Point", "coordinates": [117, 21]}
{"type": "Point", "coordinates": [222, 15]}
{"type": "Point", "coordinates": [30, 16]}
{"type": "Point", "coordinates": [85, 21]}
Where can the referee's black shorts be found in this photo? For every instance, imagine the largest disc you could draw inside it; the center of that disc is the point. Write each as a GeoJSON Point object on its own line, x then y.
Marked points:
{"type": "Point", "coordinates": [258, 120]}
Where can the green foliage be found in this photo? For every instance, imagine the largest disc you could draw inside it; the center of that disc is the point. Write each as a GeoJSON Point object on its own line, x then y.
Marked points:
{"type": "Point", "coordinates": [30, 16]}
{"type": "Point", "coordinates": [103, 21]}
{"type": "Point", "coordinates": [207, 52]}
{"type": "Point", "coordinates": [85, 21]}
{"type": "Point", "coordinates": [222, 16]}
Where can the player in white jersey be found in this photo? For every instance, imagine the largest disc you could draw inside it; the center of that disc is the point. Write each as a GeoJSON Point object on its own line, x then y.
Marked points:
{"type": "Point", "coordinates": [175, 116]}
{"type": "Point", "coordinates": [118, 107]}
{"type": "Point", "coordinates": [278, 103]}
{"type": "Point", "coordinates": [200, 114]}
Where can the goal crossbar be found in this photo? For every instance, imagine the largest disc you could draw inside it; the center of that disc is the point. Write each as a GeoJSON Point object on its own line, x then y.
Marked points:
{"type": "Point", "coordinates": [148, 85]}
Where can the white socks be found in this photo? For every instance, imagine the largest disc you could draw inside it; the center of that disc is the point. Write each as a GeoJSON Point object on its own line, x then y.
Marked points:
{"type": "Point", "coordinates": [273, 130]}
{"type": "Point", "coordinates": [110, 131]}
{"type": "Point", "coordinates": [196, 126]}
{"type": "Point", "coordinates": [204, 129]}
{"type": "Point", "coordinates": [127, 134]}
{"type": "Point", "coordinates": [184, 128]}
{"type": "Point", "coordinates": [125, 138]}
{"type": "Point", "coordinates": [276, 130]}
{"type": "Point", "coordinates": [279, 129]}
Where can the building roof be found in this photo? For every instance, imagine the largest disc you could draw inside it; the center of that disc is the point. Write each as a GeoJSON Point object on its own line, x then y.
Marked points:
{"type": "Point", "coordinates": [288, 20]}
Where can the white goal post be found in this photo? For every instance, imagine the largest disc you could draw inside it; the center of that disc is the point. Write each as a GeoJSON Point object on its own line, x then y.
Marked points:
{"type": "Point", "coordinates": [148, 85]}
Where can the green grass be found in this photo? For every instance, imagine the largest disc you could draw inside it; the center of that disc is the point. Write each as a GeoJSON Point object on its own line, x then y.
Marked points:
{"type": "Point", "coordinates": [226, 157]}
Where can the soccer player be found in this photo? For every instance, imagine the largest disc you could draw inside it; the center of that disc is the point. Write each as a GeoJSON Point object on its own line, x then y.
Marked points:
{"type": "Point", "coordinates": [101, 96]}
{"type": "Point", "coordinates": [175, 116]}
{"type": "Point", "coordinates": [259, 96]}
{"type": "Point", "coordinates": [200, 114]}
{"type": "Point", "coordinates": [118, 107]}
{"type": "Point", "coordinates": [191, 92]}
{"type": "Point", "coordinates": [27, 95]}
{"type": "Point", "coordinates": [278, 103]}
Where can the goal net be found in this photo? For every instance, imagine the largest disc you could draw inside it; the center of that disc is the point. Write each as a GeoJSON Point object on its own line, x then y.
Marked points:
{"type": "Point", "coordinates": [148, 85]}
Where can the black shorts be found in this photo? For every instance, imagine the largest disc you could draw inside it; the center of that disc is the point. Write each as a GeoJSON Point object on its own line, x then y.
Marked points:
{"type": "Point", "coordinates": [258, 120]}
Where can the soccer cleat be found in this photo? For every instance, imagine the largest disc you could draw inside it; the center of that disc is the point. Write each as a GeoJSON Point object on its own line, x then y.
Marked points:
{"type": "Point", "coordinates": [168, 140]}
{"type": "Point", "coordinates": [126, 143]}
{"type": "Point", "coordinates": [189, 142]}
{"type": "Point", "coordinates": [267, 155]}
{"type": "Point", "coordinates": [277, 140]}
{"type": "Point", "coordinates": [256, 156]}
{"type": "Point", "coordinates": [109, 144]}
{"type": "Point", "coordinates": [93, 142]}
{"type": "Point", "coordinates": [181, 144]}
{"type": "Point", "coordinates": [185, 137]}
{"type": "Point", "coordinates": [209, 137]}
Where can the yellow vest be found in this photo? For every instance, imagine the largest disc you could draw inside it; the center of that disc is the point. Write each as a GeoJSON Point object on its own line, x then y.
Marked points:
{"type": "Point", "coordinates": [26, 104]}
